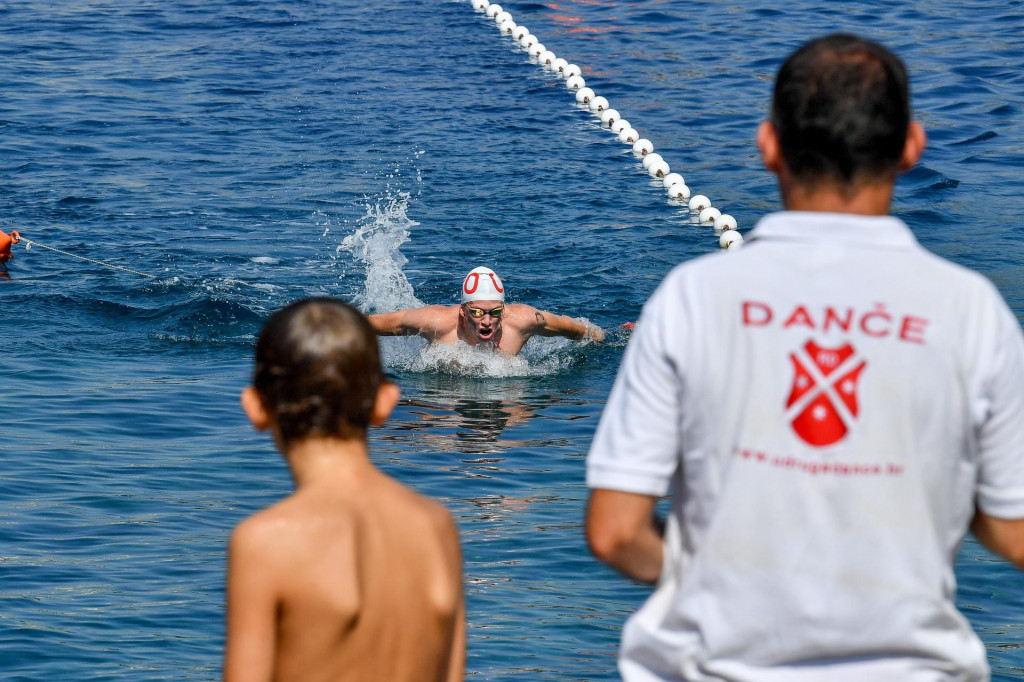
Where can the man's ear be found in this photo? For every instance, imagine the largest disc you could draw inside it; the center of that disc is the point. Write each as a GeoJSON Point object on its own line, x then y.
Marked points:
{"type": "Point", "coordinates": [768, 144]}
{"type": "Point", "coordinates": [913, 147]}
{"type": "Point", "coordinates": [387, 397]}
{"type": "Point", "coordinates": [255, 410]}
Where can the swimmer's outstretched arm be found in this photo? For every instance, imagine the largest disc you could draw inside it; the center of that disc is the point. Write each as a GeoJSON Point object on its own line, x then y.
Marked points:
{"type": "Point", "coordinates": [550, 324]}
{"type": "Point", "coordinates": [429, 321]}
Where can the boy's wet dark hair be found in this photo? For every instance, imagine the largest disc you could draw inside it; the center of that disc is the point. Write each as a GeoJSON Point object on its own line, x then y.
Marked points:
{"type": "Point", "coordinates": [318, 370]}
{"type": "Point", "coordinates": [841, 108]}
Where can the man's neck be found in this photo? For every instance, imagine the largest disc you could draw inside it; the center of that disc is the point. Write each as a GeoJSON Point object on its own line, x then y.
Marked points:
{"type": "Point", "coordinates": [870, 199]}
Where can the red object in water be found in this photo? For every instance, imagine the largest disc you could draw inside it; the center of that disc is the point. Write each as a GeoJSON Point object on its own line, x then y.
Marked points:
{"type": "Point", "coordinates": [628, 325]}
{"type": "Point", "coordinates": [6, 241]}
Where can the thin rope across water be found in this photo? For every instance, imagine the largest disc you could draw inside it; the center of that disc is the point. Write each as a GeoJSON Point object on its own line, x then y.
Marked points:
{"type": "Point", "coordinates": [29, 243]}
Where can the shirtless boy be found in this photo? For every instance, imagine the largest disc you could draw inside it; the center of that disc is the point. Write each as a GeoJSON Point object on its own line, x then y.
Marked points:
{"type": "Point", "coordinates": [483, 319]}
{"type": "Point", "coordinates": [352, 577]}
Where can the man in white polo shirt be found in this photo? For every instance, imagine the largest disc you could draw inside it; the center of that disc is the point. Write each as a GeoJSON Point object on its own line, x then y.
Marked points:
{"type": "Point", "coordinates": [832, 408]}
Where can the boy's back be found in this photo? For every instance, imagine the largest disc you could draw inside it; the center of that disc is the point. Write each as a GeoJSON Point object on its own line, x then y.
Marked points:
{"type": "Point", "coordinates": [365, 583]}
{"type": "Point", "coordinates": [353, 577]}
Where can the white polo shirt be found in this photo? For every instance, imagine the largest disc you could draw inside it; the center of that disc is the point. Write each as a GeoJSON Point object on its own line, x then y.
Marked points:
{"type": "Point", "coordinates": [827, 405]}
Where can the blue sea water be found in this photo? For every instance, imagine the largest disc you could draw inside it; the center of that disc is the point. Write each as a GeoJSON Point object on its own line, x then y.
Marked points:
{"type": "Point", "coordinates": [249, 152]}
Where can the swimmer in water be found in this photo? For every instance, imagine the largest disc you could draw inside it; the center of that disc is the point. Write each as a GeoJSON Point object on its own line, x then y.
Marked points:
{"type": "Point", "coordinates": [483, 319]}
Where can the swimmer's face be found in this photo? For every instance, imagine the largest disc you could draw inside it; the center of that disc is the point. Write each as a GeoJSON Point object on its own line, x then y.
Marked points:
{"type": "Point", "coordinates": [482, 318]}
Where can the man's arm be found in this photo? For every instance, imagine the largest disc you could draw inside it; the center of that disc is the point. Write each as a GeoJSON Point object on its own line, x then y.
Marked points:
{"type": "Point", "coordinates": [251, 608]}
{"type": "Point", "coordinates": [1000, 486]}
{"type": "Point", "coordinates": [623, 533]}
{"type": "Point", "coordinates": [429, 321]}
{"type": "Point", "coordinates": [1004, 537]}
{"type": "Point", "coordinates": [550, 324]}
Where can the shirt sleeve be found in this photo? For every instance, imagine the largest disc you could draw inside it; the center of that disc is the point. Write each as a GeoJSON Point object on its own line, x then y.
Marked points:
{"type": "Point", "coordinates": [636, 447]}
{"type": "Point", "coordinates": [1000, 491]}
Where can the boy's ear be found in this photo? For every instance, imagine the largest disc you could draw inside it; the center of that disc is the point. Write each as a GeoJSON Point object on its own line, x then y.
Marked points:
{"type": "Point", "coordinates": [254, 409]}
{"type": "Point", "coordinates": [387, 397]}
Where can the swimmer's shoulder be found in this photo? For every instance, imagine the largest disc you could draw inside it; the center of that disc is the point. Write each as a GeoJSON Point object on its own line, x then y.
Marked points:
{"type": "Point", "coordinates": [438, 309]}
{"type": "Point", "coordinates": [523, 315]}
{"type": "Point", "coordinates": [437, 317]}
{"type": "Point", "coordinates": [431, 321]}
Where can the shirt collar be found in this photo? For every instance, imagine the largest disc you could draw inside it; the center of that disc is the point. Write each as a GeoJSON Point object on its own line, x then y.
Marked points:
{"type": "Point", "coordinates": [844, 228]}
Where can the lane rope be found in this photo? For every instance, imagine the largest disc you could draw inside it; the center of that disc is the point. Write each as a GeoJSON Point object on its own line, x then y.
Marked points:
{"type": "Point", "coordinates": [724, 225]}
{"type": "Point", "coordinates": [29, 243]}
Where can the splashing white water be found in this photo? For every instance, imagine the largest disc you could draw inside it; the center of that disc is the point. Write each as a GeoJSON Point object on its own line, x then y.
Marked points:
{"type": "Point", "coordinates": [539, 357]}
{"type": "Point", "coordinates": [375, 244]}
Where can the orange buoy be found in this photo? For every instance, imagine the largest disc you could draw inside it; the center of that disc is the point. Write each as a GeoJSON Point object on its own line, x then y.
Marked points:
{"type": "Point", "coordinates": [6, 241]}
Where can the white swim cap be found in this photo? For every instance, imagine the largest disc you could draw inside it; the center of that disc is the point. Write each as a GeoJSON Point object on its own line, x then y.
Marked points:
{"type": "Point", "coordinates": [482, 284]}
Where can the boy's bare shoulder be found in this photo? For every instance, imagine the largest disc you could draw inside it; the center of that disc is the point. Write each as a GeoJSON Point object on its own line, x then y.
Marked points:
{"type": "Point", "coordinates": [252, 543]}
{"type": "Point", "coordinates": [426, 508]}
{"type": "Point", "coordinates": [282, 525]}
{"type": "Point", "coordinates": [261, 531]}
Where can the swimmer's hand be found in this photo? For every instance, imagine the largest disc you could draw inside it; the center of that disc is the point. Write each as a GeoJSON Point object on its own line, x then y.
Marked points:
{"type": "Point", "coordinates": [594, 333]}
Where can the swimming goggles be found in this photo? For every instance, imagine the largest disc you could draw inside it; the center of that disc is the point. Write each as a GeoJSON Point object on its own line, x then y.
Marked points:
{"type": "Point", "coordinates": [478, 313]}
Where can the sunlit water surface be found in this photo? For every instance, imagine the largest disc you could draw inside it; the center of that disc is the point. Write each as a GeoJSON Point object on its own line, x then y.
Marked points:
{"type": "Point", "coordinates": [249, 152]}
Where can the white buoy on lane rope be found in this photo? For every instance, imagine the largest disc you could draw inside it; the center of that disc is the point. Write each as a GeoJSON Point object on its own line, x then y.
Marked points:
{"type": "Point", "coordinates": [651, 158]}
{"type": "Point", "coordinates": [584, 95]}
{"type": "Point", "coordinates": [494, 9]}
{"type": "Point", "coordinates": [673, 178]}
{"type": "Point", "coordinates": [508, 27]}
{"type": "Point", "coordinates": [658, 169]}
{"type": "Point", "coordinates": [725, 222]}
{"type": "Point", "coordinates": [537, 49]}
{"type": "Point", "coordinates": [575, 83]}
{"type": "Point", "coordinates": [528, 41]}
{"type": "Point", "coordinates": [571, 70]}
{"type": "Point", "coordinates": [708, 215]}
{"type": "Point", "coordinates": [545, 58]}
{"type": "Point", "coordinates": [520, 32]}
{"type": "Point", "coordinates": [619, 125]}
{"type": "Point", "coordinates": [730, 239]}
{"type": "Point", "coordinates": [643, 147]}
{"type": "Point", "coordinates": [699, 203]}
{"type": "Point", "coordinates": [558, 65]}
{"type": "Point", "coordinates": [628, 136]}
{"type": "Point", "coordinates": [481, 5]}
{"type": "Point", "coordinates": [501, 17]}
{"type": "Point", "coordinates": [609, 116]}
{"type": "Point", "coordinates": [678, 190]}
{"type": "Point", "coordinates": [598, 104]}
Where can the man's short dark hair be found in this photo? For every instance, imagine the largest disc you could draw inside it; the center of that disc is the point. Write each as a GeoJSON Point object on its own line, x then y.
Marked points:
{"type": "Point", "coordinates": [318, 370]}
{"type": "Point", "coordinates": [841, 108]}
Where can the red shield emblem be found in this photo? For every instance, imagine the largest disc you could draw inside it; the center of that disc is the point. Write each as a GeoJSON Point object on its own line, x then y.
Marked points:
{"type": "Point", "coordinates": [823, 400]}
